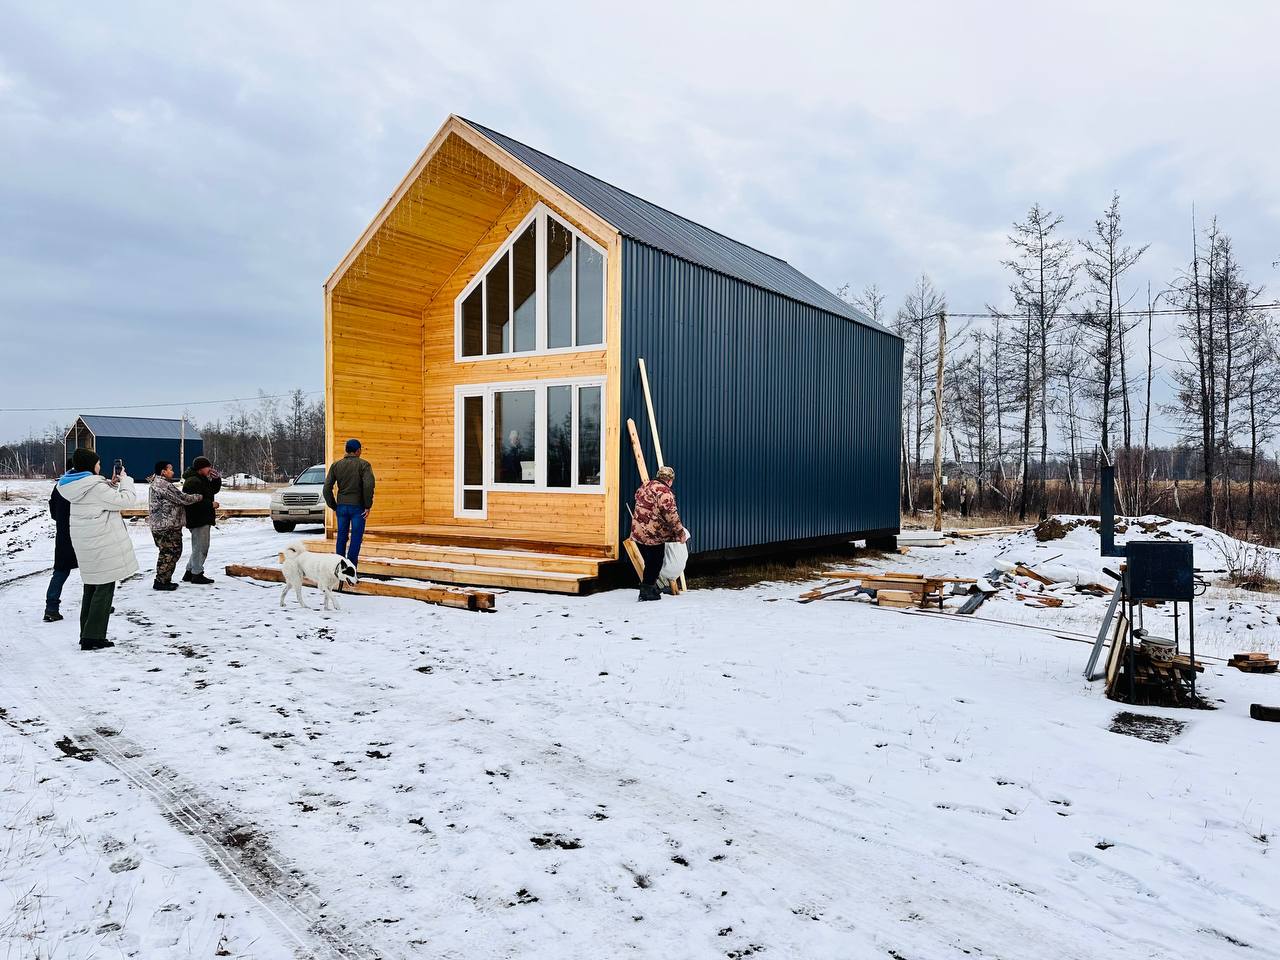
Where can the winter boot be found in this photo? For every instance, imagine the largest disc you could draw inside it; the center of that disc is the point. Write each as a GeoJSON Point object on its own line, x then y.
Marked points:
{"type": "Point", "coordinates": [199, 578]}
{"type": "Point", "coordinates": [95, 644]}
{"type": "Point", "coordinates": [650, 591]}
{"type": "Point", "coordinates": [188, 577]}
{"type": "Point", "coordinates": [52, 616]}
{"type": "Point", "coordinates": [160, 585]}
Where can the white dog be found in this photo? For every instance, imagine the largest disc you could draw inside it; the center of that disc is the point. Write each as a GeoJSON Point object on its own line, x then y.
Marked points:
{"type": "Point", "coordinates": [327, 570]}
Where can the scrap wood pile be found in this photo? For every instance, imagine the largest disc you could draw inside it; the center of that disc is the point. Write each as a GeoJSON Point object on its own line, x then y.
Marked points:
{"type": "Point", "coordinates": [1253, 662]}
{"type": "Point", "coordinates": [961, 595]}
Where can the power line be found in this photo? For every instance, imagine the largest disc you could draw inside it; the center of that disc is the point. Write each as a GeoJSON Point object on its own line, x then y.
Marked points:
{"type": "Point", "coordinates": [143, 406]}
{"type": "Point", "coordinates": [1091, 314]}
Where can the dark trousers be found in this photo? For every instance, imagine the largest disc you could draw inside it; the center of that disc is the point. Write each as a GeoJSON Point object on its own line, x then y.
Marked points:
{"type": "Point", "coordinates": [95, 610]}
{"type": "Point", "coordinates": [169, 543]}
{"type": "Point", "coordinates": [653, 557]}
{"type": "Point", "coordinates": [53, 596]}
{"type": "Point", "coordinates": [350, 524]}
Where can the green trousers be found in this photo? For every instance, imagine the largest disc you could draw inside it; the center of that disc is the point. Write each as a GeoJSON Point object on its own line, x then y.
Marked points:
{"type": "Point", "coordinates": [95, 610]}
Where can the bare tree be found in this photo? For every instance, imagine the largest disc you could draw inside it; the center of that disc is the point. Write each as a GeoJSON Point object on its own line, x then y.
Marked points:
{"type": "Point", "coordinates": [1106, 262]}
{"type": "Point", "coordinates": [1044, 275]}
{"type": "Point", "coordinates": [917, 323]}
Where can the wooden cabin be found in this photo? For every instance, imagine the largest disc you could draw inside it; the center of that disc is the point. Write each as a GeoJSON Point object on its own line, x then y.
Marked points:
{"type": "Point", "coordinates": [482, 341]}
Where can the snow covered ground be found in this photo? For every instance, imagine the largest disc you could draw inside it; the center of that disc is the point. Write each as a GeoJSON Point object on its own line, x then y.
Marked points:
{"type": "Point", "coordinates": [724, 774]}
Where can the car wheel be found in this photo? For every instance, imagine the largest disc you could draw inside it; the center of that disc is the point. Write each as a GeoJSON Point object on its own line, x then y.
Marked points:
{"type": "Point", "coordinates": [283, 526]}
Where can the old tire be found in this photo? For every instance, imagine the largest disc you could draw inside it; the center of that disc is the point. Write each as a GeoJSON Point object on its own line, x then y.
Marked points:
{"type": "Point", "coordinates": [283, 526]}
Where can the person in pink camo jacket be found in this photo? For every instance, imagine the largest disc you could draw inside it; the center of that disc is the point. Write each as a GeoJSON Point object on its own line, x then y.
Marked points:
{"type": "Point", "coordinates": [655, 523]}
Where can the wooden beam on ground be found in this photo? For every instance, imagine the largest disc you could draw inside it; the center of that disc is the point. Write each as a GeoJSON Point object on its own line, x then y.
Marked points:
{"type": "Point", "coordinates": [461, 599]}
{"type": "Point", "coordinates": [224, 513]}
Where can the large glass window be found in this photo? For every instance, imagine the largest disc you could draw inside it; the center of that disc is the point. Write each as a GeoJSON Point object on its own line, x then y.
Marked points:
{"type": "Point", "coordinates": [589, 436]}
{"type": "Point", "coordinates": [473, 323]}
{"type": "Point", "coordinates": [524, 290]}
{"type": "Point", "coordinates": [538, 436]}
{"type": "Point", "coordinates": [559, 284]}
{"type": "Point", "coordinates": [497, 287]}
{"type": "Point", "coordinates": [560, 436]}
{"type": "Point", "coordinates": [590, 299]}
{"type": "Point", "coordinates": [473, 453]}
{"type": "Point", "coordinates": [514, 446]}
{"type": "Point", "coordinates": [544, 291]}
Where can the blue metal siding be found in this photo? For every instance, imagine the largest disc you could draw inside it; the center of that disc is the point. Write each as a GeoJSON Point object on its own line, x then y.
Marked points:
{"type": "Point", "coordinates": [780, 419]}
{"type": "Point", "coordinates": [140, 453]}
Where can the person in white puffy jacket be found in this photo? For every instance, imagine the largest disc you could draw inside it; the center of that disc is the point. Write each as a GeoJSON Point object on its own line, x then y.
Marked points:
{"type": "Point", "coordinates": [101, 541]}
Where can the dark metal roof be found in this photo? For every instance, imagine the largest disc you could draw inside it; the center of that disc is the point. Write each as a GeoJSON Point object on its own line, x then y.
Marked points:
{"type": "Point", "coordinates": [150, 428]}
{"type": "Point", "coordinates": [679, 236]}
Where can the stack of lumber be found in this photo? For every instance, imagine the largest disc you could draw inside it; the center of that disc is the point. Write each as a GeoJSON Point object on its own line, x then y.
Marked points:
{"type": "Point", "coordinates": [889, 588]}
{"type": "Point", "coordinates": [1253, 662]}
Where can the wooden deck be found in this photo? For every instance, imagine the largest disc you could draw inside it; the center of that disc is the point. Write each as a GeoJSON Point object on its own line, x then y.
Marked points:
{"type": "Point", "coordinates": [477, 557]}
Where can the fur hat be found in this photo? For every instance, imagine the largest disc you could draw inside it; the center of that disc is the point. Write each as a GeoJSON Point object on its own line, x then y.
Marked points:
{"type": "Point", "coordinates": [199, 463]}
{"type": "Point", "coordinates": [84, 459]}
{"type": "Point", "coordinates": [666, 475]}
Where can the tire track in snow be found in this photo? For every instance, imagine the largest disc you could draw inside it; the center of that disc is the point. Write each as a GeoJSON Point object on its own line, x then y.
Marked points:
{"type": "Point", "coordinates": [247, 862]}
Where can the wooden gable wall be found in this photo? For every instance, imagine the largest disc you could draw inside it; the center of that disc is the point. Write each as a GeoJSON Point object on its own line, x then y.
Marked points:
{"type": "Point", "coordinates": [389, 321]}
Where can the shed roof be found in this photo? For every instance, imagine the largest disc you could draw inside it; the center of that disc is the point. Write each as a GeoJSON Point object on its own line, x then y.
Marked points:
{"type": "Point", "coordinates": [149, 428]}
{"type": "Point", "coordinates": [679, 236]}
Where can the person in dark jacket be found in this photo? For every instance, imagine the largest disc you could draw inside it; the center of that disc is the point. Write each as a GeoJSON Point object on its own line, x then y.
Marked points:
{"type": "Point", "coordinates": [655, 523]}
{"type": "Point", "coordinates": [201, 478]}
{"type": "Point", "coordinates": [64, 554]}
{"type": "Point", "coordinates": [353, 476]}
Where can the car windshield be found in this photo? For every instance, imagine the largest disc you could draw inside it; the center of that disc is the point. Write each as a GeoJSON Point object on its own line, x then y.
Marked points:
{"type": "Point", "coordinates": [311, 475]}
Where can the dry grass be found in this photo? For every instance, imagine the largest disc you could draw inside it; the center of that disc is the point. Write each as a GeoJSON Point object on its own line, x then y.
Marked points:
{"type": "Point", "coordinates": [799, 567]}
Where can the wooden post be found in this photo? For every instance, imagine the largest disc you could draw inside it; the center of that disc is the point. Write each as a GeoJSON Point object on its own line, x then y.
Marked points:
{"type": "Point", "coordinates": [937, 424]}
{"type": "Point", "coordinates": [182, 446]}
{"type": "Point", "coordinates": [679, 584]}
{"type": "Point", "coordinates": [653, 420]}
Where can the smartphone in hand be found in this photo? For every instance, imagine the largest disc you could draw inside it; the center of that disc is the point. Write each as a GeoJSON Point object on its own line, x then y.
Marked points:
{"type": "Point", "coordinates": [117, 469]}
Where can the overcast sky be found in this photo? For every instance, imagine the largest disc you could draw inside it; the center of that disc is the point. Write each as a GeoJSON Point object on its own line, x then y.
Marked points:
{"type": "Point", "coordinates": [177, 180]}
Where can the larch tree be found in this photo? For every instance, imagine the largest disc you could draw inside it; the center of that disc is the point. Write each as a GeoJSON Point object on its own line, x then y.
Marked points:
{"type": "Point", "coordinates": [1106, 261]}
{"type": "Point", "coordinates": [1044, 274]}
{"type": "Point", "coordinates": [917, 323]}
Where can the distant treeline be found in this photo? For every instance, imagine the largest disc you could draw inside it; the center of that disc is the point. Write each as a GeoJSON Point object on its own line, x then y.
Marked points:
{"type": "Point", "coordinates": [1056, 379]}
{"type": "Point", "coordinates": [274, 438]}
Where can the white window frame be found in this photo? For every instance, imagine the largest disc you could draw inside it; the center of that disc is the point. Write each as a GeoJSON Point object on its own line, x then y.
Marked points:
{"type": "Point", "coordinates": [539, 388]}
{"type": "Point", "coordinates": [538, 214]}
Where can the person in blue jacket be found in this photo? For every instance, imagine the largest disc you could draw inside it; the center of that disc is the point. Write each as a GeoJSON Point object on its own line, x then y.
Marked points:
{"type": "Point", "coordinates": [64, 554]}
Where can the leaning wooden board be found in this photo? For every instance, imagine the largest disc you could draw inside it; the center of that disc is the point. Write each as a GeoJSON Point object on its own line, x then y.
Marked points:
{"type": "Point", "coordinates": [461, 599]}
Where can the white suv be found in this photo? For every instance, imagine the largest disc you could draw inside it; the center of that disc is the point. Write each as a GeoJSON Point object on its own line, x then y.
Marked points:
{"type": "Point", "coordinates": [300, 502]}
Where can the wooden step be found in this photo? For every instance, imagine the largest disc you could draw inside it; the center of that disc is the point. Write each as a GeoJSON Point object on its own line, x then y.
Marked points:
{"type": "Point", "coordinates": [472, 556]}
{"type": "Point", "coordinates": [496, 568]}
{"type": "Point", "coordinates": [483, 538]}
{"type": "Point", "coordinates": [473, 575]}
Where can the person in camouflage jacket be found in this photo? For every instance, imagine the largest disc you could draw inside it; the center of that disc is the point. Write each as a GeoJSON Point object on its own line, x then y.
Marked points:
{"type": "Point", "coordinates": [655, 523]}
{"type": "Point", "coordinates": [166, 512]}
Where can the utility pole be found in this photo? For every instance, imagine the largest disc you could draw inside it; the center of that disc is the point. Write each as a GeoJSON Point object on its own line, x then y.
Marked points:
{"type": "Point", "coordinates": [937, 424]}
{"type": "Point", "coordinates": [182, 447]}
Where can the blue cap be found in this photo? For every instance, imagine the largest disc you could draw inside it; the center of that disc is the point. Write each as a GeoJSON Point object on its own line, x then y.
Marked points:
{"type": "Point", "coordinates": [353, 445]}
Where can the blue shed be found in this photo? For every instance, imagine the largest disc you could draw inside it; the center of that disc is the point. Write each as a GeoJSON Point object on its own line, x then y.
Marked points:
{"type": "Point", "coordinates": [138, 441]}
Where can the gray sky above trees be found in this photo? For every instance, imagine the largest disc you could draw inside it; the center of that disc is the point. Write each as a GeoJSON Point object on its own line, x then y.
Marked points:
{"type": "Point", "coordinates": [177, 180]}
